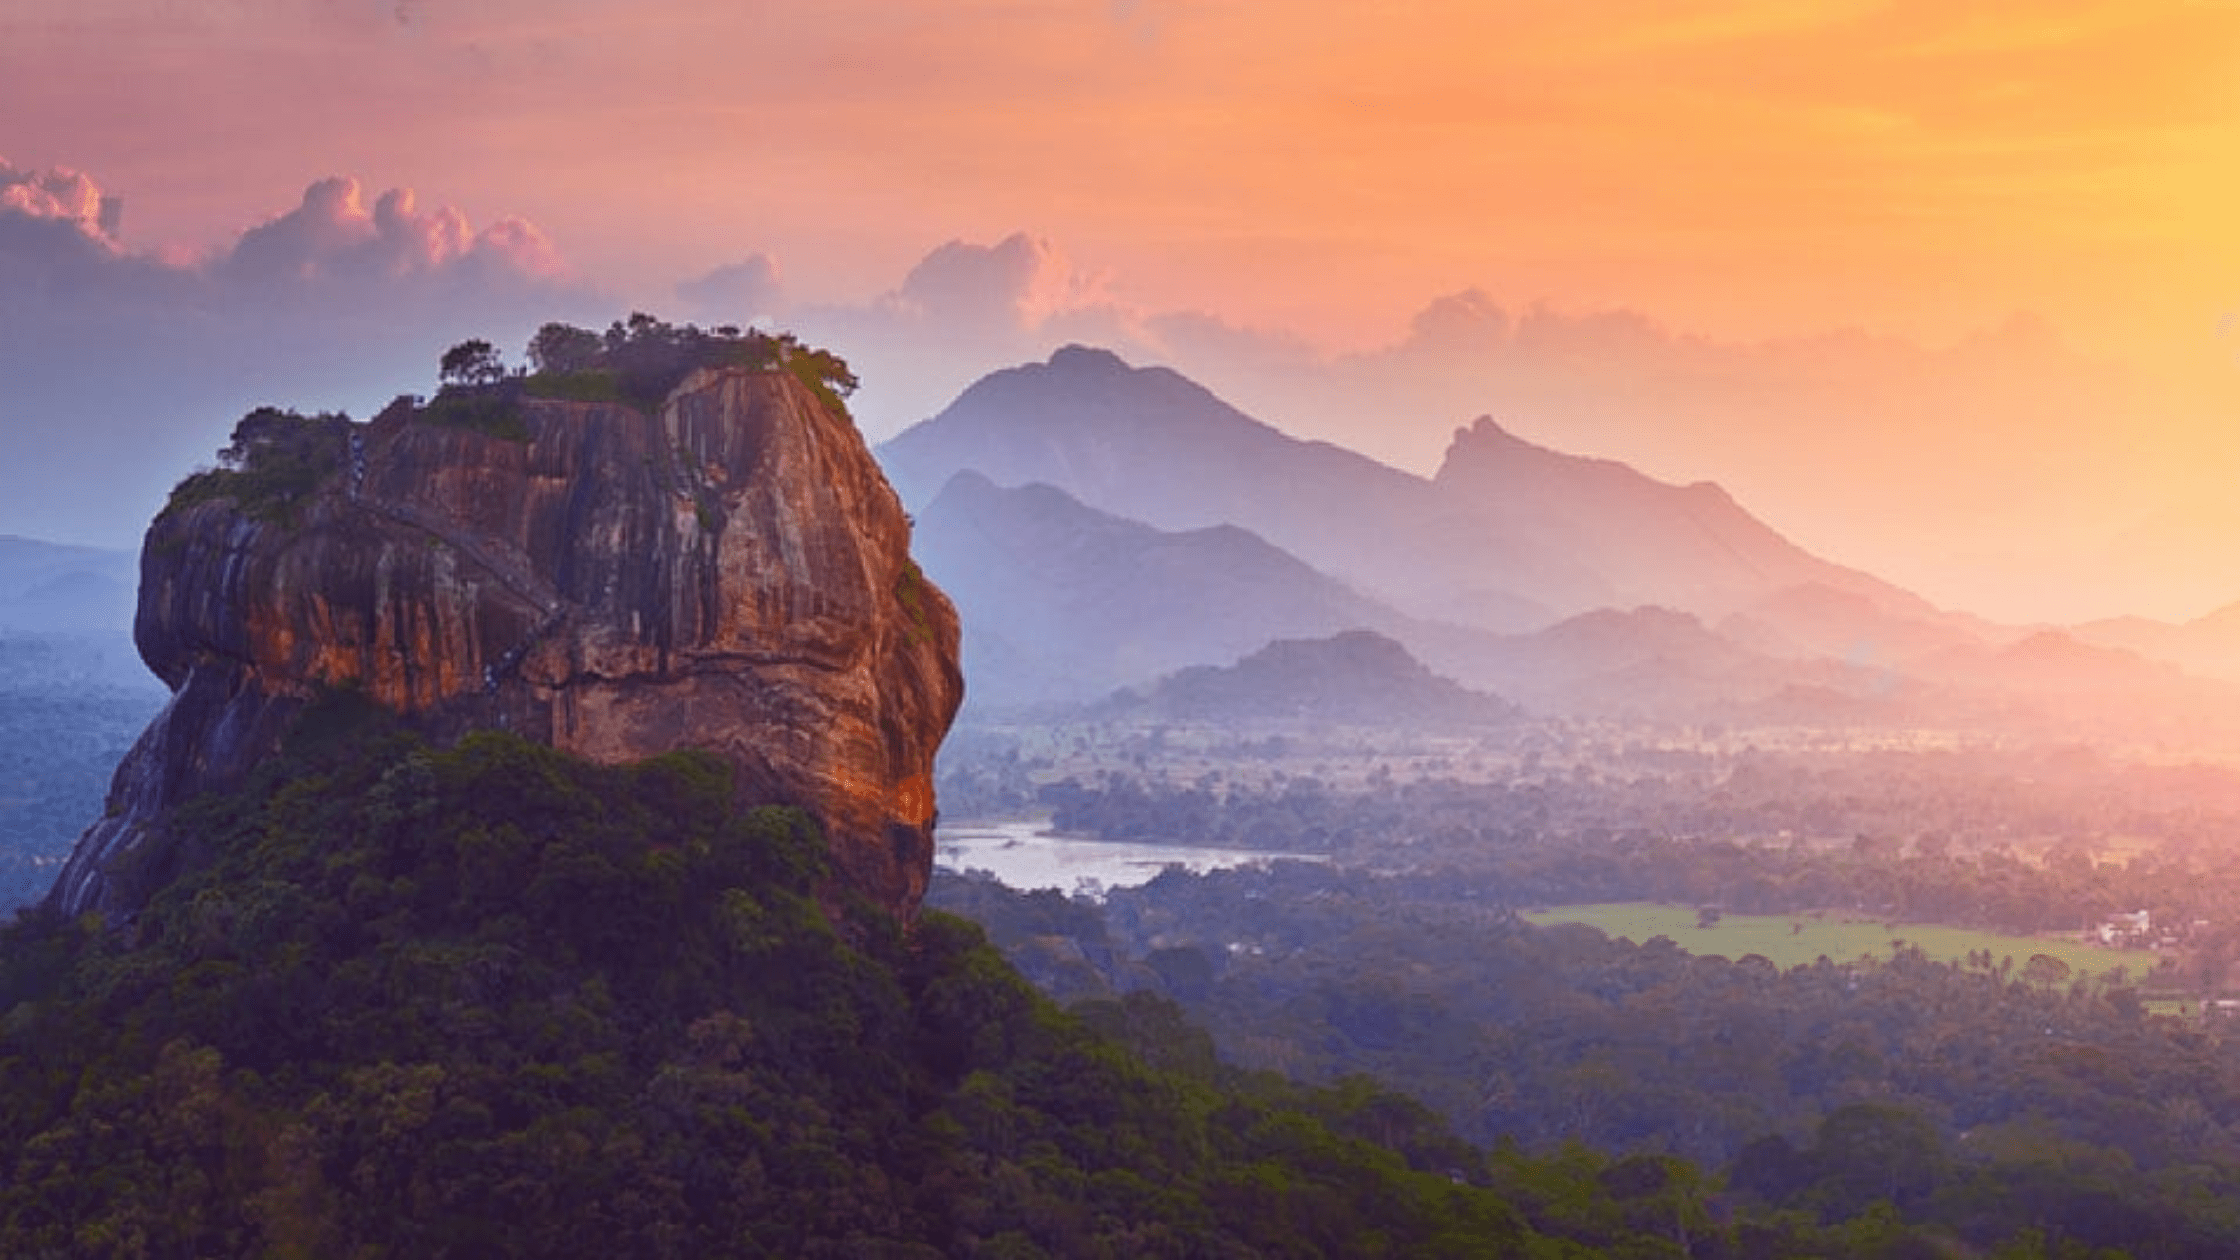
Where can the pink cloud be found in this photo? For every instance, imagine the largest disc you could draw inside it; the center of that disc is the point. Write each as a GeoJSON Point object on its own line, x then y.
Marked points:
{"type": "Point", "coordinates": [1016, 284]}
{"type": "Point", "coordinates": [332, 234]}
{"type": "Point", "coordinates": [749, 291]}
{"type": "Point", "coordinates": [125, 369]}
{"type": "Point", "coordinates": [964, 309]}
{"type": "Point", "coordinates": [51, 194]}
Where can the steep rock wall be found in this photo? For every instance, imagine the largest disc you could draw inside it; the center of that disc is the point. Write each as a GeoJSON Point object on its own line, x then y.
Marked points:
{"type": "Point", "coordinates": [731, 574]}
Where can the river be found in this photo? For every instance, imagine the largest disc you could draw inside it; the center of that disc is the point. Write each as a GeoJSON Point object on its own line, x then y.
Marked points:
{"type": "Point", "coordinates": [1024, 856]}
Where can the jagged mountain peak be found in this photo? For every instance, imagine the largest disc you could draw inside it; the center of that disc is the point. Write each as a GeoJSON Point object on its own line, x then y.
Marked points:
{"type": "Point", "coordinates": [1509, 536]}
{"type": "Point", "coordinates": [1485, 448]}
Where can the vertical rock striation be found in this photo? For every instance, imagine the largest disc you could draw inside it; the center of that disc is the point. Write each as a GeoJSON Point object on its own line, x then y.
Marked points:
{"type": "Point", "coordinates": [732, 574]}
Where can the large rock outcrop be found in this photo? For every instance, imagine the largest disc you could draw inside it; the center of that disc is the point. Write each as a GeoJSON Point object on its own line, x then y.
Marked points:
{"type": "Point", "coordinates": [732, 573]}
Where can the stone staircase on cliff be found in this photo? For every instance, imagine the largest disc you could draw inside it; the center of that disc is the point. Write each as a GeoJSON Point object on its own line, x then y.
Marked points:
{"type": "Point", "coordinates": [496, 557]}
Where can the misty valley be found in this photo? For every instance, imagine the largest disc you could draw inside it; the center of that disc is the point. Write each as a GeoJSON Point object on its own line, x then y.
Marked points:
{"type": "Point", "coordinates": [544, 850]}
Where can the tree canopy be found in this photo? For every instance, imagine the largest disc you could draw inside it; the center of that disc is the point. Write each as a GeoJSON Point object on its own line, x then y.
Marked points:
{"type": "Point", "coordinates": [472, 362]}
{"type": "Point", "coordinates": [492, 1001]}
{"type": "Point", "coordinates": [272, 463]}
{"type": "Point", "coordinates": [640, 359]}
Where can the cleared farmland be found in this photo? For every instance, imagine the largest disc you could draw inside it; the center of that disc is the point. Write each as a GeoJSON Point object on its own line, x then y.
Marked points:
{"type": "Point", "coordinates": [1788, 940]}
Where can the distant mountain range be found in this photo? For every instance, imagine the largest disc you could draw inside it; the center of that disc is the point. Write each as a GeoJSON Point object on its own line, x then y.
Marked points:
{"type": "Point", "coordinates": [66, 618]}
{"type": "Point", "coordinates": [2208, 645]}
{"type": "Point", "coordinates": [1507, 536]}
{"type": "Point", "coordinates": [1062, 603]}
{"type": "Point", "coordinates": [55, 587]}
{"type": "Point", "coordinates": [1102, 526]}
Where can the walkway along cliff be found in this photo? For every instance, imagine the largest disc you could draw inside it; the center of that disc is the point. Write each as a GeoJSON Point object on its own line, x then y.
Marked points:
{"type": "Point", "coordinates": [729, 571]}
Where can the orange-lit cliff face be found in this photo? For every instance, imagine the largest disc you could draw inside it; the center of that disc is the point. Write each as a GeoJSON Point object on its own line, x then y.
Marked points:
{"type": "Point", "coordinates": [731, 574]}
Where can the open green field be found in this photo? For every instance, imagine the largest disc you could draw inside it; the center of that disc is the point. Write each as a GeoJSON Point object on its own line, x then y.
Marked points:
{"type": "Point", "coordinates": [1789, 940]}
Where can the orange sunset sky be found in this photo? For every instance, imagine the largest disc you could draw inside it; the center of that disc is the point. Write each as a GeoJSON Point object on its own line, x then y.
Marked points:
{"type": "Point", "coordinates": [1943, 290]}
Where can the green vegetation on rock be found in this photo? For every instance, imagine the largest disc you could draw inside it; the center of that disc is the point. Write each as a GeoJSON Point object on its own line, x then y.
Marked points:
{"type": "Point", "coordinates": [639, 361]}
{"type": "Point", "coordinates": [591, 385]}
{"type": "Point", "coordinates": [494, 410]}
{"type": "Point", "coordinates": [910, 591]}
{"type": "Point", "coordinates": [274, 461]}
{"type": "Point", "coordinates": [636, 363]}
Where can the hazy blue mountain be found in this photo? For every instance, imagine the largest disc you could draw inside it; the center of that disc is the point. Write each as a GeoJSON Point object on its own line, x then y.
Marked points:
{"type": "Point", "coordinates": [1357, 677]}
{"type": "Point", "coordinates": [1508, 536]}
{"type": "Point", "coordinates": [1150, 445]}
{"type": "Point", "coordinates": [1563, 583]}
{"type": "Point", "coordinates": [1660, 664]}
{"type": "Point", "coordinates": [1061, 602]}
{"type": "Point", "coordinates": [53, 586]}
{"type": "Point", "coordinates": [1598, 533]}
{"type": "Point", "coordinates": [73, 695]}
{"type": "Point", "coordinates": [66, 617]}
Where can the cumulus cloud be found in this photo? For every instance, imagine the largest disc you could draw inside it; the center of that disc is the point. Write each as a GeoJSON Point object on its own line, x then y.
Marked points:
{"type": "Point", "coordinates": [1941, 467]}
{"type": "Point", "coordinates": [120, 370]}
{"type": "Point", "coordinates": [331, 243]}
{"type": "Point", "coordinates": [1934, 465]}
{"type": "Point", "coordinates": [962, 310]}
{"type": "Point", "coordinates": [1015, 285]}
{"type": "Point", "coordinates": [513, 246]}
{"type": "Point", "coordinates": [65, 195]}
{"type": "Point", "coordinates": [70, 196]}
{"type": "Point", "coordinates": [750, 291]}
{"type": "Point", "coordinates": [124, 369]}
{"type": "Point", "coordinates": [51, 230]}
{"type": "Point", "coordinates": [332, 236]}
{"type": "Point", "coordinates": [1460, 323]}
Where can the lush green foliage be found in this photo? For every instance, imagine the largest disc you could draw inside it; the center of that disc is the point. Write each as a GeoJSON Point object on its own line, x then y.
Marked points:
{"type": "Point", "coordinates": [640, 360]}
{"type": "Point", "coordinates": [275, 460]}
{"type": "Point", "coordinates": [490, 1001]}
{"type": "Point", "coordinates": [1903, 837]}
{"type": "Point", "coordinates": [636, 363]}
{"type": "Point", "coordinates": [2013, 1103]}
{"type": "Point", "coordinates": [472, 362]}
{"type": "Point", "coordinates": [493, 409]}
{"type": "Point", "coordinates": [592, 385]}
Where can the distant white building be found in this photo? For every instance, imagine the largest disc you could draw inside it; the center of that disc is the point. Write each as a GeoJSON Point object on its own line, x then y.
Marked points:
{"type": "Point", "coordinates": [2129, 928]}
